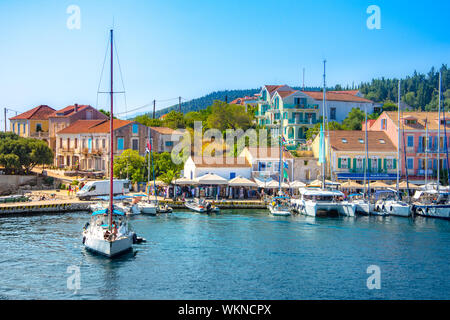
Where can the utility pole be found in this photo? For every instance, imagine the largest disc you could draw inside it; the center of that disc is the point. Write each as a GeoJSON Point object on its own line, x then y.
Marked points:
{"type": "Point", "coordinates": [5, 119]}
{"type": "Point", "coordinates": [179, 103]}
{"type": "Point", "coordinates": [154, 108]}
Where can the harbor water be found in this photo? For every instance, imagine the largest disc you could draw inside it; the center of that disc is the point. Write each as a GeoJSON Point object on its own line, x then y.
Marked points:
{"type": "Point", "coordinates": [233, 255]}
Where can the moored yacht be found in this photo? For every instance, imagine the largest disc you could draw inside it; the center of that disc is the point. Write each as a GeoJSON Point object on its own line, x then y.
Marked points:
{"type": "Point", "coordinates": [362, 205]}
{"type": "Point", "coordinates": [316, 202]}
{"type": "Point", "coordinates": [432, 203]}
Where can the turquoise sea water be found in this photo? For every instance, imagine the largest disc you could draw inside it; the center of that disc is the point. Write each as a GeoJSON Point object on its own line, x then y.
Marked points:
{"type": "Point", "coordinates": [235, 255]}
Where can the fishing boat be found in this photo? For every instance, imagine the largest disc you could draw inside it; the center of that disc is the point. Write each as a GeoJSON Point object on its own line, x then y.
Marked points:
{"type": "Point", "coordinates": [318, 202]}
{"type": "Point", "coordinates": [201, 206]}
{"type": "Point", "coordinates": [108, 232]}
{"type": "Point", "coordinates": [280, 206]}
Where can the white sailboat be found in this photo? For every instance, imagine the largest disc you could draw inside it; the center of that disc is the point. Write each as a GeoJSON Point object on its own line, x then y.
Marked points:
{"type": "Point", "coordinates": [108, 232]}
{"type": "Point", "coordinates": [396, 207]}
{"type": "Point", "coordinates": [279, 206]}
{"type": "Point", "coordinates": [434, 203]}
{"type": "Point", "coordinates": [323, 200]}
{"type": "Point", "coordinates": [200, 206]}
{"type": "Point", "coordinates": [150, 206]}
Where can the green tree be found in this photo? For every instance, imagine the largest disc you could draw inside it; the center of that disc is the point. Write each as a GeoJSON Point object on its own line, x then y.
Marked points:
{"type": "Point", "coordinates": [354, 119]}
{"type": "Point", "coordinates": [146, 120]}
{"type": "Point", "coordinates": [228, 116]}
{"type": "Point", "coordinates": [174, 120]}
{"type": "Point", "coordinates": [332, 126]}
{"type": "Point", "coordinates": [130, 164]}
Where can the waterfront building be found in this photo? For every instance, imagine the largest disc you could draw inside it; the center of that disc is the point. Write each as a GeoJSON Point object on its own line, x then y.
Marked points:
{"type": "Point", "coordinates": [164, 138]}
{"type": "Point", "coordinates": [84, 145]}
{"type": "Point", "coordinates": [33, 123]}
{"type": "Point", "coordinates": [414, 125]}
{"type": "Point", "coordinates": [306, 167]}
{"type": "Point", "coordinates": [348, 155]}
{"type": "Point", "coordinates": [265, 162]}
{"type": "Point", "coordinates": [225, 167]}
{"type": "Point", "coordinates": [63, 118]}
{"type": "Point", "coordinates": [295, 111]}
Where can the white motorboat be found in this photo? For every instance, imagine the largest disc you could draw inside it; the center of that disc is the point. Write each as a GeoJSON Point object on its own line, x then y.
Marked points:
{"type": "Point", "coordinates": [201, 206]}
{"type": "Point", "coordinates": [163, 208]}
{"type": "Point", "coordinates": [314, 202]}
{"type": "Point", "coordinates": [432, 203]}
{"type": "Point", "coordinates": [279, 206]}
{"type": "Point", "coordinates": [148, 207]}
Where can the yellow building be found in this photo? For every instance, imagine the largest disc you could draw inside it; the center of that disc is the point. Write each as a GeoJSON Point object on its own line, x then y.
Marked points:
{"type": "Point", "coordinates": [32, 123]}
{"type": "Point", "coordinates": [348, 155]}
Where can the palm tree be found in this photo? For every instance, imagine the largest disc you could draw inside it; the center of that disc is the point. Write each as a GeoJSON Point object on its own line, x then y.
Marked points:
{"type": "Point", "coordinates": [168, 176]}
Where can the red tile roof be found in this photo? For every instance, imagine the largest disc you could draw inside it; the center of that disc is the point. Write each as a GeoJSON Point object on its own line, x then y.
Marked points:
{"type": "Point", "coordinates": [284, 94]}
{"type": "Point", "coordinates": [93, 126]}
{"type": "Point", "coordinates": [378, 141]}
{"type": "Point", "coordinates": [68, 111]}
{"type": "Point", "coordinates": [334, 96]}
{"type": "Point", "coordinates": [41, 112]}
{"type": "Point", "coordinates": [352, 92]}
{"type": "Point", "coordinates": [164, 130]}
{"type": "Point", "coordinates": [268, 153]}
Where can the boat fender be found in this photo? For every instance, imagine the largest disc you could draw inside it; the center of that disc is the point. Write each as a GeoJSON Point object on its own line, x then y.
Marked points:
{"type": "Point", "coordinates": [84, 239]}
{"type": "Point", "coordinates": [134, 238]}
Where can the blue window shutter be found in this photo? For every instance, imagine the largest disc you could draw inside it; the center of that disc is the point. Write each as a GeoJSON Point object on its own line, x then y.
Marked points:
{"type": "Point", "coordinates": [232, 175]}
{"type": "Point", "coordinates": [135, 128]}
{"type": "Point", "coordinates": [119, 143]}
{"type": "Point", "coordinates": [420, 143]}
{"type": "Point", "coordinates": [89, 144]}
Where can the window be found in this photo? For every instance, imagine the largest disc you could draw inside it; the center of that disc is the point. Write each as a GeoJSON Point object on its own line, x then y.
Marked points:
{"type": "Point", "coordinates": [83, 143]}
{"type": "Point", "coordinates": [361, 141]}
{"type": "Point", "coordinates": [60, 143]}
{"type": "Point", "coordinates": [169, 143]}
{"type": "Point", "coordinates": [333, 113]}
{"type": "Point", "coordinates": [389, 163]}
{"type": "Point", "coordinates": [374, 163]}
{"type": "Point", "coordinates": [410, 162]}
{"type": "Point", "coordinates": [76, 143]}
{"type": "Point", "coordinates": [119, 143]}
{"type": "Point", "coordinates": [232, 175]}
{"type": "Point", "coordinates": [382, 141]}
{"type": "Point", "coordinates": [410, 141]}
{"type": "Point", "coordinates": [135, 128]}
{"type": "Point", "coordinates": [90, 145]}
{"type": "Point", "coordinates": [344, 140]}
{"type": "Point", "coordinates": [383, 124]}
{"type": "Point", "coordinates": [343, 163]}
{"type": "Point", "coordinates": [68, 143]}
{"type": "Point", "coordinates": [96, 144]}
{"type": "Point", "coordinates": [135, 144]}
{"type": "Point", "coordinates": [359, 163]}
{"type": "Point", "coordinates": [103, 143]}
{"type": "Point", "coordinates": [38, 127]}
{"type": "Point", "coordinates": [14, 127]}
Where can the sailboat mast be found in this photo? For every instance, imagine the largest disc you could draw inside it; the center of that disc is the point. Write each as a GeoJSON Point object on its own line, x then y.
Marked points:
{"type": "Point", "coordinates": [323, 124]}
{"type": "Point", "coordinates": [366, 168]}
{"type": "Point", "coordinates": [148, 175]}
{"type": "Point", "coordinates": [426, 151]}
{"type": "Point", "coordinates": [281, 155]}
{"type": "Point", "coordinates": [111, 133]}
{"type": "Point", "coordinates": [439, 134]}
{"type": "Point", "coordinates": [398, 141]}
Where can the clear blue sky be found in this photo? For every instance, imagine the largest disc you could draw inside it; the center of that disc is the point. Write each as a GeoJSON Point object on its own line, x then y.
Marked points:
{"type": "Point", "coordinates": [190, 48]}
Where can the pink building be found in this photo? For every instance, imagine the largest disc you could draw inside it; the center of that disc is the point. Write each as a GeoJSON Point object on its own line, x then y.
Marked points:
{"type": "Point", "coordinates": [414, 125]}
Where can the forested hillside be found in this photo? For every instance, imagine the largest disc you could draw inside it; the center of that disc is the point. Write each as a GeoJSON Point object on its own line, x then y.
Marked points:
{"type": "Point", "coordinates": [420, 91]}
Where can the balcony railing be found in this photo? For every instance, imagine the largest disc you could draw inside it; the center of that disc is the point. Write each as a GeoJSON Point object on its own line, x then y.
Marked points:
{"type": "Point", "coordinates": [301, 121]}
{"type": "Point", "coordinates": [372, 170]}
{"type": "Point", "coordinates": [421, 172]}
{"type": "Point", "coordinates": [434, 149]}
{"type": "Point", "coordinates": [39, 134]}
{"type": "Point", "coordinates": [301, 106]}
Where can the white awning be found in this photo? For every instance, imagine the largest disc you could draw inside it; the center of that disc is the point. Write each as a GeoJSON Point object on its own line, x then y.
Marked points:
{"type": "Point", "coordinates": [211, 178]}
{"type": "Point", "coordinates": [241, 182]}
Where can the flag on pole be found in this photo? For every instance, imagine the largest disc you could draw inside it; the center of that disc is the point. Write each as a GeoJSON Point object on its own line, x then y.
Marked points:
{"type": "Point", "coordinates": [148, 149]}
{"type": "Point", "coordinates": [286, 165]}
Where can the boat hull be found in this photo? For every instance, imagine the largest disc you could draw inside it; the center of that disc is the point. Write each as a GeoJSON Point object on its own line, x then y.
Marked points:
{"type": "Point", "coordinates": [433, 211]}
{"type": "Point", "coordinates": [109, 248]}
{"type": "Point", "coordinates": [278, 212]}
{"type": "Point", "coordinates": [312, 209]}
{"type": "Point", "coordinates": [396, 209]}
